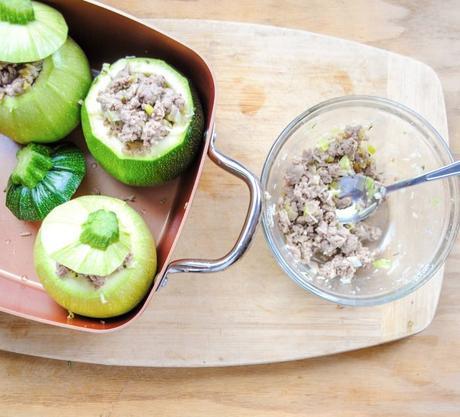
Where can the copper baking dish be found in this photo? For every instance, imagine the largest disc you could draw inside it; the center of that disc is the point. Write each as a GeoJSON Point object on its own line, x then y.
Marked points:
{"type": "Point", "coordinates": [105, 35]}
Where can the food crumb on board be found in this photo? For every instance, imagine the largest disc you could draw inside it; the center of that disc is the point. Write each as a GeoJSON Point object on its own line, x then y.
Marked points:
{"type": "Point", "coordinates": [25, 234]}
{"type": "Point", "coordinates": [131, 198]}
{"type": "Point", "coordinates": [94, 165]}
{"type": "Point", "coordinates": [163, 201]}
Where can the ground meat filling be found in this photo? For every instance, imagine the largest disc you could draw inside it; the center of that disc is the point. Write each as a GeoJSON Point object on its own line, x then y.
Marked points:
{"type": "Point", "coordinates": [306, 211]}
{"type": "Point", "coordinates": [15, 79]}
{"type": "Point", "coordinates": [140, 109]}
{"type": "Point", "coordinates": [96, 280]}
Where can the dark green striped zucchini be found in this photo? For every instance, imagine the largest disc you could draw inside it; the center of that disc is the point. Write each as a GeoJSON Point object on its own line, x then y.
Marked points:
{"type": "Point", "coordinates": [44, 178]}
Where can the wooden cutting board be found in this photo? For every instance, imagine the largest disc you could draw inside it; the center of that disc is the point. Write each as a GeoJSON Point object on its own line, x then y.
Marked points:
{"type": "Point", "coordinates": [253, 313]}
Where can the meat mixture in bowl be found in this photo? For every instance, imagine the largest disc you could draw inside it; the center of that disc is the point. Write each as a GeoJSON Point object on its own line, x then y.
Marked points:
{"type": "Point", "coordinates": [306, 211]}
{"type": "Point", "coordinates": [15, 79]}
{"type": "Point", "coordinates": [140, 109]}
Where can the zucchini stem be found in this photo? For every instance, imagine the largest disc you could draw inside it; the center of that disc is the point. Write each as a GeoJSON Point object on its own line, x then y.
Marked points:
{"type": "Point", "coordinates": [34, 162]}
{"type": "Point", "coordinates": [100, 229]}
{"type": "Point", "coordinates": [18, 12]}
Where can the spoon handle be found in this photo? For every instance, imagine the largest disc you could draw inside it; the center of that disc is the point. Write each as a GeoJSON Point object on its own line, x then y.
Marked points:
{"type": "Point", "coordinates": [444, 172]}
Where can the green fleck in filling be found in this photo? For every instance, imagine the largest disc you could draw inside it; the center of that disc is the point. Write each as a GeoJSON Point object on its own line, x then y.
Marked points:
{"type": "Point", "coordinates": [345, 164]}
{"type": "Point", "coordinates": [382, 263]}
{"type": "Point", "coordinates": [148, 109]}
{"type": "Point", "coordinates": [366, 147]}
{"type": "Point", "coordinates": [370, 187]}
{"type": "Point", "coordinates": [323, 144]}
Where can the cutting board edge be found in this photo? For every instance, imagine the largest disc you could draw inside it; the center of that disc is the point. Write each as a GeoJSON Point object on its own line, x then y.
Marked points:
{"type": "Point", "coordinates": [234, 363]}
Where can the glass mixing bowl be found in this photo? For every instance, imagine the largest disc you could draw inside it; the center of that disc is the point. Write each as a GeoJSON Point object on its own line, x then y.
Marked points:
{"type": "Point", "coordinates": [419, 224]}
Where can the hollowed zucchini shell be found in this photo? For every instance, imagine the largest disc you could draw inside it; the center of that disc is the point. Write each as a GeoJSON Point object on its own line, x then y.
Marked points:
{"type": "Point", "coordinates": [166, 160]}
{"type": "Point", "coordinates": [49, 110]}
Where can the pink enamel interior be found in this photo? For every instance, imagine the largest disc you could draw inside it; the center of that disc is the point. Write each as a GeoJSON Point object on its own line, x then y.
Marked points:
{"type": "Point", "coordinates": [105, 36]}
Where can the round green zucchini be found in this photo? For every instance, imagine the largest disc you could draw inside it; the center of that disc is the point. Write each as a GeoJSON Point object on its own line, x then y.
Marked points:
{"type": "Point", "coordinates": [49, 109]}
{"type": "Point", "coordinates": [95, 235]}
{"type": "Point", "coordinates": [43, 179]}
{"type": "Point", "coordinates": [165, 160]}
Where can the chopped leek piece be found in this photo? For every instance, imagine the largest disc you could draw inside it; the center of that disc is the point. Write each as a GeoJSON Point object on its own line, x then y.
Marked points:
{"type": "Point", "coordinates": [148, 109]}
{"type": "Point", "coordinates": [382, 263]}
{"type": "Point", "coordinates": [323, 144]}
{"type": "Point", "coordinates": [366, 147]}
{"type": "Point", "coordinates": [370, 186]}
{"type": "Point", "coordinates": [292, 214]}
{"type": "Point", "coordinates": [345, 164]}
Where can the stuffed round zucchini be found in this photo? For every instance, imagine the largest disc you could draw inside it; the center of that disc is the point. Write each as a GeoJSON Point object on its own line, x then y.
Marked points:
{"type": "Point", "coordinates": [44, 178]}
{"type": "Point", "coordinates": [142, 121]}
{"type": "Point", "coordinates": [39, 101]}
{"type": "Point", "coordinates": [95, 256]}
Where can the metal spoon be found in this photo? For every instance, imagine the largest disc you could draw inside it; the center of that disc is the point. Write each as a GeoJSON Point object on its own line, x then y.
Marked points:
{"type": "Point", "coordinates": [366, 199]}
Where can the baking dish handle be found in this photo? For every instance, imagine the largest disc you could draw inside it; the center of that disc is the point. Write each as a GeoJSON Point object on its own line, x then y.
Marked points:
{"type": "Point", "coordinates": [247, 232]}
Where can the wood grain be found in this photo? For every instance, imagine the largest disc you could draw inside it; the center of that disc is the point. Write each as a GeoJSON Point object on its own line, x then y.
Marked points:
{"type": "Point", "coordinates": [427, 30]}
{"type": "Point", "coordinates": [416, 377]}
{"type": "Point", "coordinates": [252, 313]}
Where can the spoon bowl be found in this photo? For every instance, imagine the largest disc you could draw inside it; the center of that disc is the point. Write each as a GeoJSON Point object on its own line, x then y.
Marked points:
{"type": "Point", "coordinates": [366, 194]}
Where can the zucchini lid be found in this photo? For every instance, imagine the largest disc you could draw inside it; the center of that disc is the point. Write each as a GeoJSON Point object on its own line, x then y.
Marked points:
{"type": "Point", "coordinates": [88, 235]}
{"type": "Point", "coordinates": [43, 178]}
{"type": "Point", "coordinates": [29, 31]}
